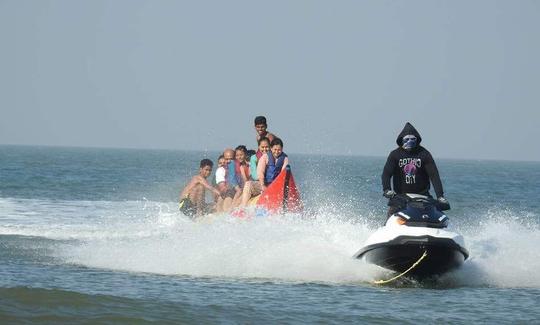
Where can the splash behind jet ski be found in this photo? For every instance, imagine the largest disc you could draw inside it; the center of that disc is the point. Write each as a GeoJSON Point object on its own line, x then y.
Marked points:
{"type": "Point", "coordinates": [415, 240]}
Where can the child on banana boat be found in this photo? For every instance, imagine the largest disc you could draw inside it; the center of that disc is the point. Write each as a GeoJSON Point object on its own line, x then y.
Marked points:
{"type": "Point", "coordinates": [192, 197]}
{"type": "Point", "coordinates": [253, 187]}
{"type": "Point", "coordinates": [239, 173]}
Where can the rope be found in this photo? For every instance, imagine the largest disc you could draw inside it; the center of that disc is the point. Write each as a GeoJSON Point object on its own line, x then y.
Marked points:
{"type": "Point", "coordinates": [405, 272]}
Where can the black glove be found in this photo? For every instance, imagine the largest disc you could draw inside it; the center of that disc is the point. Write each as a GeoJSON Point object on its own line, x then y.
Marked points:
{"type": "Point", "coordinates": [442, 200]}
{"type": "Point", "coordinates": [389, 194]}
{"type": "Point", "coordinates": [442, 204]}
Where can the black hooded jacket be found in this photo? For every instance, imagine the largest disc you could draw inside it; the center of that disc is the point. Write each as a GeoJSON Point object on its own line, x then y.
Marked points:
{"type": "Point", "coordinates": [411, 171]}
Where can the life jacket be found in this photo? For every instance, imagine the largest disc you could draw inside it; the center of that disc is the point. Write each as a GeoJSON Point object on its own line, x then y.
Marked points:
{"type": "Point", "coordinates": [253, 161]}
{"type": "Point", "coordinates": [230, 175]}
{"type": "Point", "coordinates": [238, 174]}
{"type": "Point", "coordinates": [273, 168]}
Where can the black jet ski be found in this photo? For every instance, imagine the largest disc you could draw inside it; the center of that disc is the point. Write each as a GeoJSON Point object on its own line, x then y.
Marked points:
{"type": "Point", "coordinates": [416, 232]}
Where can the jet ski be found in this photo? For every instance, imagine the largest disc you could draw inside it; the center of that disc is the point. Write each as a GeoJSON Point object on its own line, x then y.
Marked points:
{"type": "Point", "coordinates": [415, 240]}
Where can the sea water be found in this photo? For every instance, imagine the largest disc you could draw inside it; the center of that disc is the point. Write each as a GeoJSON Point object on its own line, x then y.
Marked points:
{"type": "Point", "coordinates": [94, 235]}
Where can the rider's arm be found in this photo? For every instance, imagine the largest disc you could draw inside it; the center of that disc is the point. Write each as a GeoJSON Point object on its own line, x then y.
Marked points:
{"type": "Point", "coordinates": [433, 173]}
{"type": "Point", "coordinates": [387, 172]}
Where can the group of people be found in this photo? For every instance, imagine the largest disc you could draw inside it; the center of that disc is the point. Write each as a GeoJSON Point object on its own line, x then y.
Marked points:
{"type": "Point", "coordinates": [241, 174]}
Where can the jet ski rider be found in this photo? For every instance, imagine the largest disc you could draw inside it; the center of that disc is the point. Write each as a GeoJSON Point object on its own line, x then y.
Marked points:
{"type": "Point", "coordinates": [411, 168]}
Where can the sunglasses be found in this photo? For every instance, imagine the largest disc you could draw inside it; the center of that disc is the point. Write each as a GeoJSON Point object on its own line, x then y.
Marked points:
{"type": "Point", "coordinates": [409, 139]}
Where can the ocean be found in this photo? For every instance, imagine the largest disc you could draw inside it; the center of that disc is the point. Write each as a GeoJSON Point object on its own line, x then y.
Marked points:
{"type": "Point", "coordinates": [93, 235]}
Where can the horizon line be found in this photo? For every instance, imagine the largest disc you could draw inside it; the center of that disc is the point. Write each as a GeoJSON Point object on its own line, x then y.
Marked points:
{"type": "Point", "coordinates": [217, 151]}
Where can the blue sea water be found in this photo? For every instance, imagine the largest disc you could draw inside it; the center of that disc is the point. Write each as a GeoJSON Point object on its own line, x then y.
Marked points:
{"type": "Point", "coordinates": [94, 235]}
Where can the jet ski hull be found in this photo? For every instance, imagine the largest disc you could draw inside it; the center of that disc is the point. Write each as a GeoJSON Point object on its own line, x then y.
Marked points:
{"type": "Point", "coordinates": [399, 254]}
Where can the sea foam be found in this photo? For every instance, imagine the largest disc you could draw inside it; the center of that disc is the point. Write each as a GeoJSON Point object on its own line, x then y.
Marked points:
{"type": "Point", "coordinates": [144, 236]}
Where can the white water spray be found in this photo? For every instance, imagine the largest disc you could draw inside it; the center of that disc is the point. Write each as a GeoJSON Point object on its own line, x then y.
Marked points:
{"type": "Point", "coordinates": [153, 237]}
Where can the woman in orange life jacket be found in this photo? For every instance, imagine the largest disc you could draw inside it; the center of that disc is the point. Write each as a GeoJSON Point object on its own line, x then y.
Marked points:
{"type": "Point", "coordinates": [253, 188]}
{"type": "Point", "coordinates": [239, 172]}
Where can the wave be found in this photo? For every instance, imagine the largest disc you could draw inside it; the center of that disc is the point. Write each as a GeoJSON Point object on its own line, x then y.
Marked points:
{"type": "Point", "coordinates": [25, 304]}
{"type": "Point", "coordinates": [145, 236]}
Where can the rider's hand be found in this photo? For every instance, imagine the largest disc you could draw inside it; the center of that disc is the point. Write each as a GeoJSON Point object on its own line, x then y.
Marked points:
{"type": "Point", "coordinates": [389, 194]}
{"type": "Point", "coordinates": [442, 200]}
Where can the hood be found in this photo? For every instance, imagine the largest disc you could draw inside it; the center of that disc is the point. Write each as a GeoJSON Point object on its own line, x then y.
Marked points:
{"type": "Point", "coordinates": [408, 129]}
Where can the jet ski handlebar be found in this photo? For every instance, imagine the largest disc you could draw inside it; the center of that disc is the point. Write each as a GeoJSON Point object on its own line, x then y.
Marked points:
{"type": "Point", "coordinates": [401, 200]}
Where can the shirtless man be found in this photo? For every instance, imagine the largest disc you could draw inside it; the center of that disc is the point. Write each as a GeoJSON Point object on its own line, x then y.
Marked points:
{"type": "Point", "coordinates": [225, 189]}
{"type": "Point", "coordinates": [192, 202]}
{"type": "Point", "coordinates": [260, 128]}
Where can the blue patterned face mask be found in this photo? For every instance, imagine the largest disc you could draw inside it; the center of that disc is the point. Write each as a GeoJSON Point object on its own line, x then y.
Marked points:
{"type": "Point", "coordinates": [409, 142]}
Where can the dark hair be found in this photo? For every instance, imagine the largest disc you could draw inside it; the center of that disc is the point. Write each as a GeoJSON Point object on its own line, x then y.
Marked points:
{"type": "Point", "coordinates": [251, 153]}
{"type": "Point", "coordinates": [206, 162]}
{"type": "Point", "coordinates": [242, 148]}
{"type": "Point", "coordinates": [221, 157]}
{"type": "Point", "coordinates": [263, 139]}
{"type": "Point", "coordinates": [260, 120]}
{"type": "Point", "coordinates": [276, 141]}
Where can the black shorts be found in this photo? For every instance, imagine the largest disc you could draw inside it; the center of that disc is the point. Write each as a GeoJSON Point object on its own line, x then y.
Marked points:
{"type": "Point", "coordinates": [187, 207]}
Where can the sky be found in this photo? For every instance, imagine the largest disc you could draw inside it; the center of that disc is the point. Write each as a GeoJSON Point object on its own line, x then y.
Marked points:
{"type": "Point", "coordinates": [332, 77]}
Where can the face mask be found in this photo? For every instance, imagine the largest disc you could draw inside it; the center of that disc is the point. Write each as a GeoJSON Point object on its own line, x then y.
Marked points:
{"type": "Point", "coordinates": [409, 142]}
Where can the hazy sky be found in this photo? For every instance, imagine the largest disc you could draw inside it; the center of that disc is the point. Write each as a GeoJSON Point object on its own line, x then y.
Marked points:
{"type": "Point", "coordinates": [337, 77]}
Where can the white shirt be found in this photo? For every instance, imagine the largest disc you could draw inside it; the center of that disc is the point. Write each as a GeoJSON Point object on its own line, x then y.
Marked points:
{"type": "Point", "coordinates": [220, 175]}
